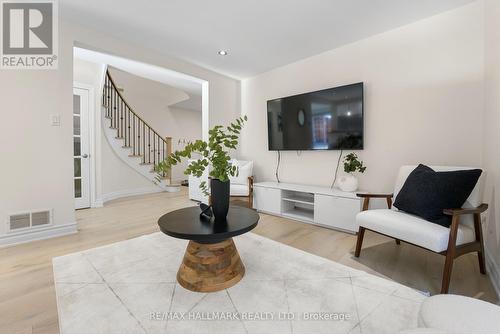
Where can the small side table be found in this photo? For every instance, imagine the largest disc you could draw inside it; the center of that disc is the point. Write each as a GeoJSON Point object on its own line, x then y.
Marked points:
{"type": "Point", "coordinates": [211, 261]}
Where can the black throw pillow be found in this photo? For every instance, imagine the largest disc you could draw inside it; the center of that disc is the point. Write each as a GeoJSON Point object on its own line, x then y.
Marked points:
{"type": "Point", "coordinates": [426, 193]}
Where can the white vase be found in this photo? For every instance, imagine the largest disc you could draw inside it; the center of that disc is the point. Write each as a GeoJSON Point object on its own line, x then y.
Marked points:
{"type": "Point", "coordinates": [348, 183]}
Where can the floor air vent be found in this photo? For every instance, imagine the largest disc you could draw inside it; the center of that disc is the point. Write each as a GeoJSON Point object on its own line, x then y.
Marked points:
{"type": "Point", "coordinates": [29, 219]}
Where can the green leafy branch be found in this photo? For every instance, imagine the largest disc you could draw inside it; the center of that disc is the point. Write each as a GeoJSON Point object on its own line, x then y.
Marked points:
{"type": "Point", "coordinates": [352, 164]}
{"type": "Point", "coordinates": [214, 153]}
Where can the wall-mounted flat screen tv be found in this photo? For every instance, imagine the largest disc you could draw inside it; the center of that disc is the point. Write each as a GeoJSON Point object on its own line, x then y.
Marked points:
{"type": "Point", "coordinates": [329, 119]}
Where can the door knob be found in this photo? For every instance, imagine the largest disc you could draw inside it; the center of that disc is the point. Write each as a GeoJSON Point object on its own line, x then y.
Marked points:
{"type": "Point", "coordinates": [85, 156]}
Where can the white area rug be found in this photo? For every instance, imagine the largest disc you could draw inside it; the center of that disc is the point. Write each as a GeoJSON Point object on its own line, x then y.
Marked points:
{"type": "Point", "coordinates": [130, 287]}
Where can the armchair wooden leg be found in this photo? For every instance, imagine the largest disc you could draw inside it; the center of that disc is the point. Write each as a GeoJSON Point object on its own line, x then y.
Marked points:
{"type": "Point", "coordinates": [448, 266]}
{"type": "Point", "coordinates": [359, 243]}
{"type": "Point", "coordinates": [482, 266]}
{"type": "Point", "coordinates": [250, 201]}
{"type": "Point", "coordinates": [450, 254]}
{"type": "Point", "coordinates": [479, 238]}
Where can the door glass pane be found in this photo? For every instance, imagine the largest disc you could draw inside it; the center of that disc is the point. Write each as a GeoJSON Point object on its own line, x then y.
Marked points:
{"type": "Point", "coordinates": [78, 167]}
{"type": "Point", "coordinates": [76, 125]}
{"type": "Point", "coordinates": [76, 104]}
{"type": "Point", "coordinates": [78, 188]}
{"type": "Point", "coordinates": [76, 146]}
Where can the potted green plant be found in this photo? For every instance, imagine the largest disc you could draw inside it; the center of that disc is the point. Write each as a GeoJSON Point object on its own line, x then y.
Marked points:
{"type": "Point", "coordinates": [213, 155]}
{"type": "Point", "coordinates": [349, 181]}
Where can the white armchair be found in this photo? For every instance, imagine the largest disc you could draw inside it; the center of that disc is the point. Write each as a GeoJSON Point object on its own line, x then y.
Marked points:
{"type": "Point", "coordinates": [242, 185]}
{"type": "Point", "coordinates": [463, 236]}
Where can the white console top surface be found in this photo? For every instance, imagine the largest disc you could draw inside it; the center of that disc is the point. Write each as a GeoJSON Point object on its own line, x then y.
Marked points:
{"type": "Point", "coordinates": [309, 189]}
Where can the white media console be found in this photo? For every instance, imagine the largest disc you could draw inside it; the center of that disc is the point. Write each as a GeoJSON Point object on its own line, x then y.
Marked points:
{"type": "Point", "coordinates": [323, 206]}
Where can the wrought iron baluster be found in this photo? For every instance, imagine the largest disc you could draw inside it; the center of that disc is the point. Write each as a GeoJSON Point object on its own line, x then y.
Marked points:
{"type": "Point", "coordinates": [128, 126]}
{"type": "Point", "coordinates": [158, 147]}
{"type": "Point", "coordinates": [143, 142]}
{"type": "Point", "coordinates": [149, 147]}
{"type": "Point", "coordinates": [123, 119]}
{"type": "Point", "coordinates": [154, 150]}
{"type": "Point", "coordinates": [114, 107]}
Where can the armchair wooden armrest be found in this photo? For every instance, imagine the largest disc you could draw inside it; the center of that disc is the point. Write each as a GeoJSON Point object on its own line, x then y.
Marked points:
{"type": "Point", "coordinates": [366, 195]}
{"type": "Point", "coordinates": [366, 199]}
{"type": "Point", "coordinates": [465, 211]}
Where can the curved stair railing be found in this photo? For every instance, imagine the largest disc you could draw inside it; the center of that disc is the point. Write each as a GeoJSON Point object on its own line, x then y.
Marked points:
{"type": "Point", "coordinates": [138, 136]}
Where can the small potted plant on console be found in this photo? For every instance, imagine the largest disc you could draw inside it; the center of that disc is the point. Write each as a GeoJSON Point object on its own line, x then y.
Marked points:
{"type": "Point", "coordinates": [349, 182]}
{"type": "Point", "coordinates": [213, 155]}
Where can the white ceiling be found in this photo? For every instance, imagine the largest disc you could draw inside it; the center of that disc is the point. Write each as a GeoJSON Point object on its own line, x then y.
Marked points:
{"type": "Point", "coordinates": [258, 34]}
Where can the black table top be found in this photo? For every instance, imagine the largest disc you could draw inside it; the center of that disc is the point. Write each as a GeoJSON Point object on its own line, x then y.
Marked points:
{"type": "Point", "coordinates": [187, 224]}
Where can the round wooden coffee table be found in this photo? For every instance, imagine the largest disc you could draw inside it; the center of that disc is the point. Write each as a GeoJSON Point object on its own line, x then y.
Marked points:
{"type": "Point", "coordinates": [211, 262]}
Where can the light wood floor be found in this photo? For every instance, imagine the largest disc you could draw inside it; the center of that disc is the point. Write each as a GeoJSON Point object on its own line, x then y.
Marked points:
{"type": "Point", "coordinates": [27, 297]}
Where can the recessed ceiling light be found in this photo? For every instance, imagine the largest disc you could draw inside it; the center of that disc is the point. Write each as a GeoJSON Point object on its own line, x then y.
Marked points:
{"type": "Point", "coordinates": [222, 53]}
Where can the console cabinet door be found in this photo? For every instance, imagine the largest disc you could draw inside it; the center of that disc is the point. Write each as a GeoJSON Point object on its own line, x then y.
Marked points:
{"type": "Point", "coordinates": [337, 212]}
{"type": "Point", "coordinates": [267, 200]}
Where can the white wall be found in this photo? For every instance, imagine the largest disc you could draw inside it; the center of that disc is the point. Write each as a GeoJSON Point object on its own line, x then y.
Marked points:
{"type": "Point", "coordinates": [491, 136]}
{"type": "Point", "coordinates": [185, 126]}
{"type": "Point", "coordinates": [36, 158]}
{"type": "Point", "coordinates": [118, 177]}
{"type": "Point", "coordinates": [423, 100]}
{"type": "Point", "coordinates": [37, 164]}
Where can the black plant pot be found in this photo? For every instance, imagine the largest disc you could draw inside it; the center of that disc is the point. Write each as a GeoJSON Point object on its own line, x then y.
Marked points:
{"type": "Point", "coordinates": [220, 199]}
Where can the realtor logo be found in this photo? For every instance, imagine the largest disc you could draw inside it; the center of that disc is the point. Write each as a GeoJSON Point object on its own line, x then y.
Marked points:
{"type": "Point", "coordinates": [29, 34]}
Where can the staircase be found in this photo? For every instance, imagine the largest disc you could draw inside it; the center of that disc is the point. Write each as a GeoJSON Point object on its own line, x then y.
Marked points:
{"type": "Point", "coordinates": [133, 139]}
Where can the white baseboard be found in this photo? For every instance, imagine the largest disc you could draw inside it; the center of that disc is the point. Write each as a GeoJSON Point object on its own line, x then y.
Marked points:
{"type": "Point", "coordinates": [40, 233]}
{"type": "Point", "coordinates": [129, 192]}
{"type": "Point", "coordinates": [494, 272]}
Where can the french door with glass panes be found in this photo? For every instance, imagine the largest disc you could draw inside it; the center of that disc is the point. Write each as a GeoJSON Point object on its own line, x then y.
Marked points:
{"type": "Point", "coordinates": [81, 156]}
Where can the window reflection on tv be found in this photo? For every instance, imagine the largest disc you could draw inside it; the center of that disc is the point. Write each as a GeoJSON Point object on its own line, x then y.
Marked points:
{"type": "Point", "coordinates": [329, 119]}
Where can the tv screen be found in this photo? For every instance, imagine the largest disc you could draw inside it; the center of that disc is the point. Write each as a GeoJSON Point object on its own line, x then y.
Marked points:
{"type": "Point", "coordinates": [329, 119]}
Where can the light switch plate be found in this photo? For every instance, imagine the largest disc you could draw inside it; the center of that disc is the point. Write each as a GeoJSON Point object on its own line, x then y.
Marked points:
{"type": "Point", "coordinates": [55, 120]}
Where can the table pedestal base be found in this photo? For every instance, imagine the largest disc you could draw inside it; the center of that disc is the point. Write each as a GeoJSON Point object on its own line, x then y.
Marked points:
{"type": "Point", "coordinates": [210, 267]}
